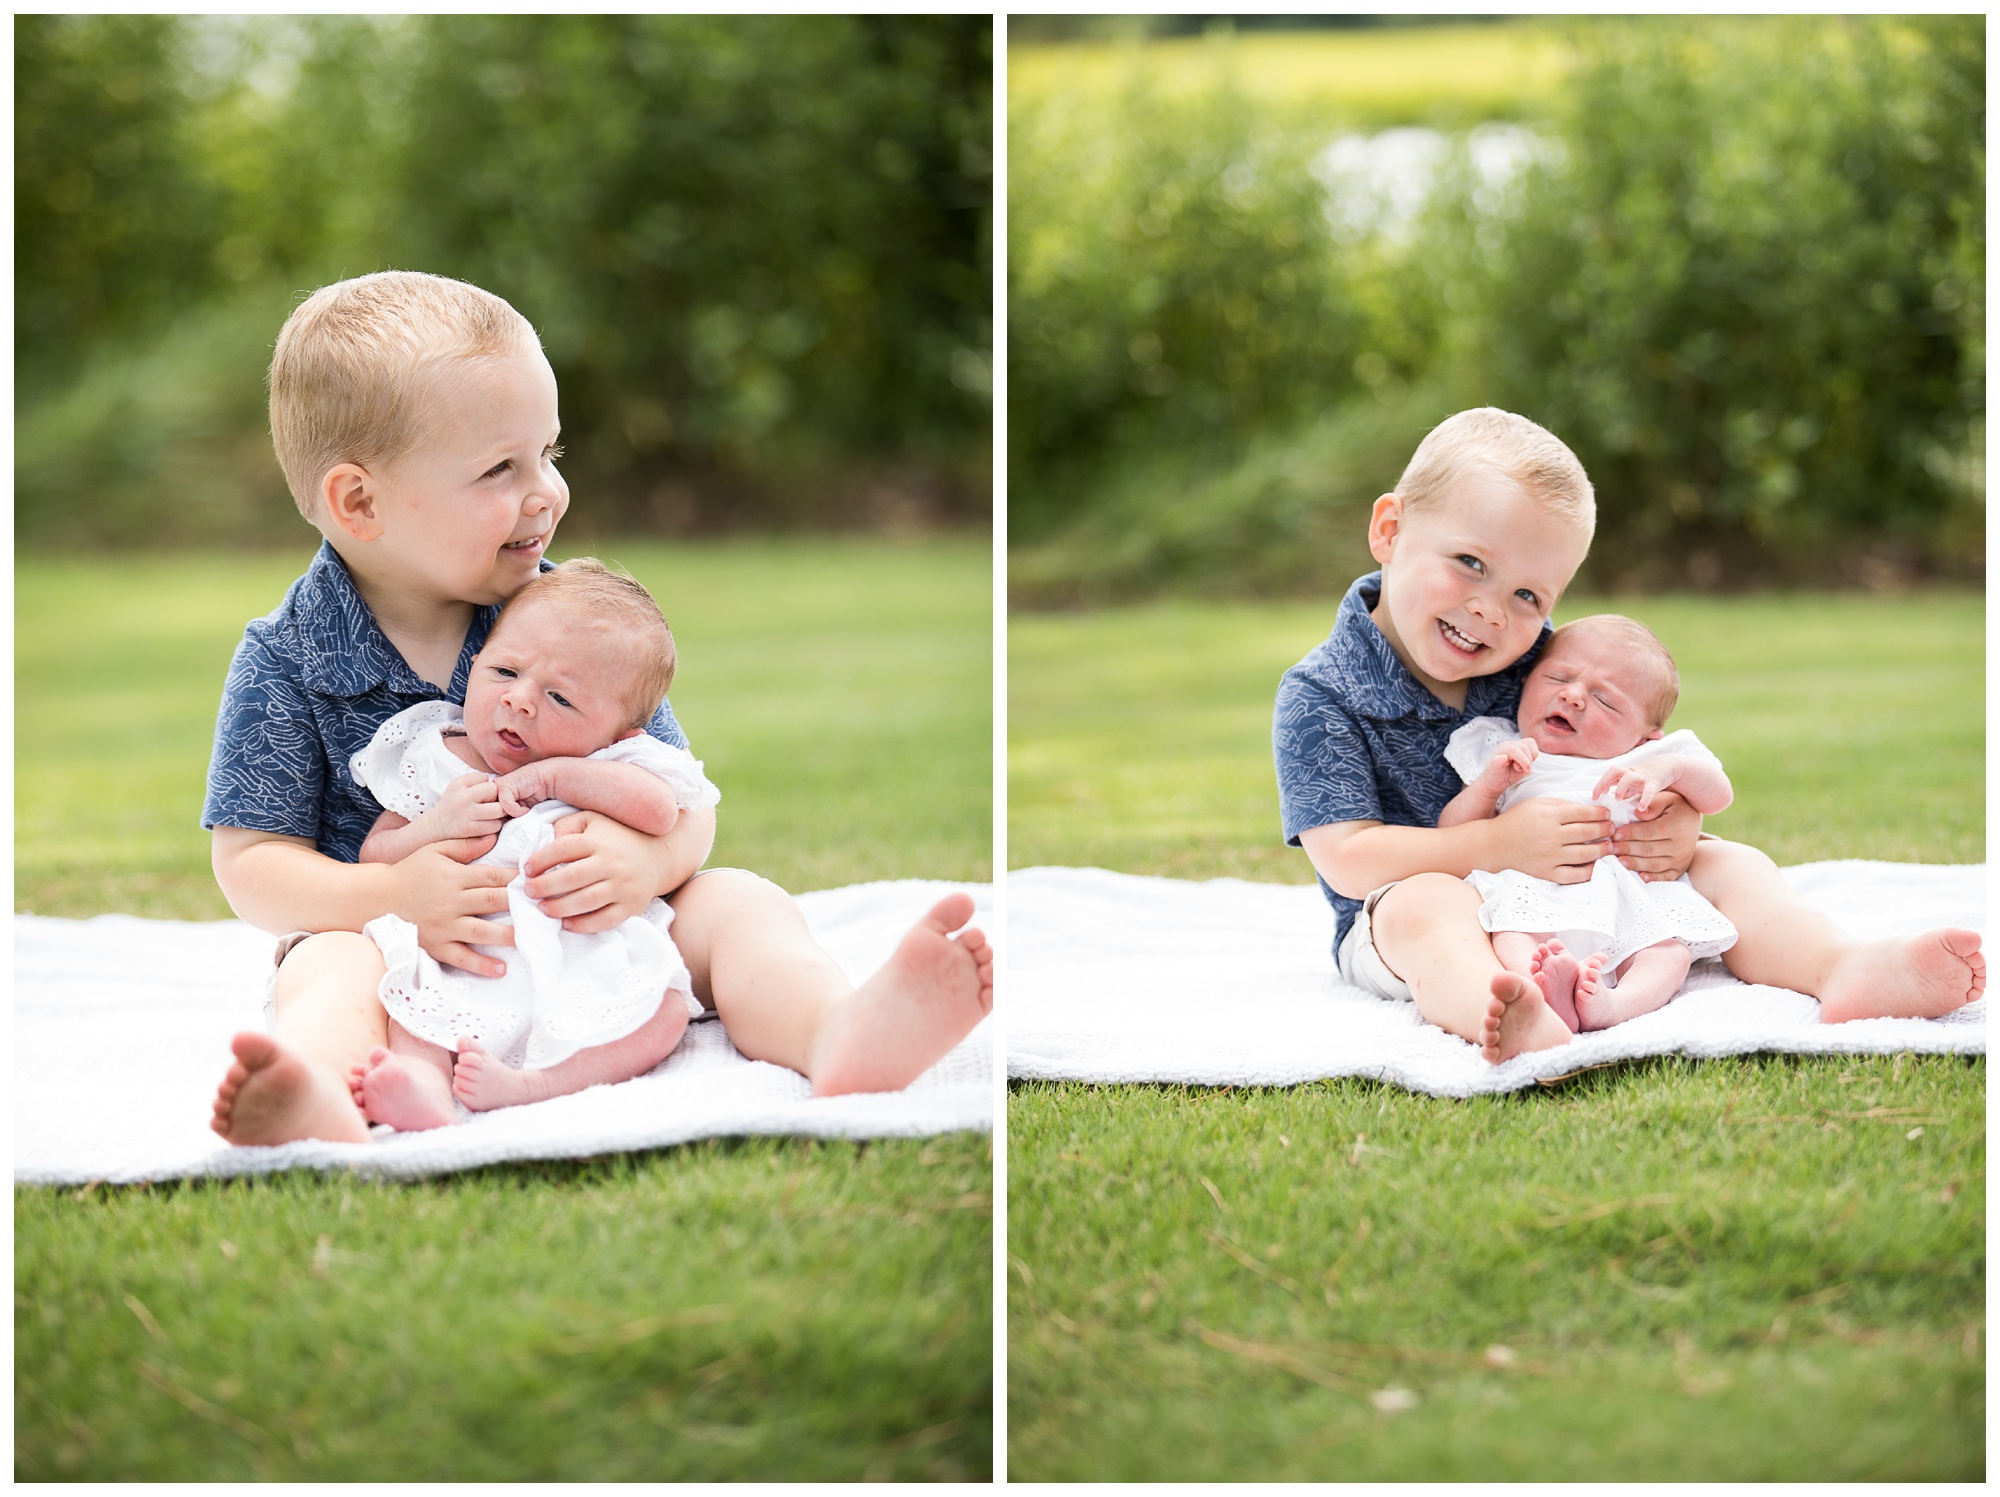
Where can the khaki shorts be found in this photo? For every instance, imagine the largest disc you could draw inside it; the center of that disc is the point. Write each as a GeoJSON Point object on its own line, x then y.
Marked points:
{"type": "Point", "coordinates": [1361, 964]}
{"type": "Point", "coordinates": [284, 949]}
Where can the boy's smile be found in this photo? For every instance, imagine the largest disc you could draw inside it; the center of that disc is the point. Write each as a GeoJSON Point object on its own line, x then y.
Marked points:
{"type": "Point", "coordinates": [1468, 580]}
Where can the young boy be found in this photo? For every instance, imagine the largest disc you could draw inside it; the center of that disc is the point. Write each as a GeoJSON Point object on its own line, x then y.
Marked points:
{"type": "Point", "coordinates": [1484, 530]}
{"type": "Point", "coordinates": [415, 419]}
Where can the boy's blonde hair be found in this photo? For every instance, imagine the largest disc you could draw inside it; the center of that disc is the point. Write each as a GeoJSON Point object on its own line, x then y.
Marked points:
{"type": "Point", "coordinates": [1495, 441]}
{"type": "Point", "coordinates": [1666, 693]}
{"type": "Point", "coordinates": [586, 586]}
{"type": "Point", "coordinates": [355, 359]}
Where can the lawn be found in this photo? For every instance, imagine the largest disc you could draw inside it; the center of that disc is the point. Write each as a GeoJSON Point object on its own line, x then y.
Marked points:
{"type": "Point", "coordinates": [1766, 1268]}
{"type": "Point", "coordinates": [729, 1310]}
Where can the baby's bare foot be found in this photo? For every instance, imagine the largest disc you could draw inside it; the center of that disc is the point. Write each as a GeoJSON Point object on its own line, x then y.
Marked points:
{"type": "Point", "coordinates": [1518, 1019]}
{"type": "Point", "coordinates": [1921, 978]}
{"type": "Point", "coordinates": [923, 1000]}
{"type": "Point", "coordinates": [483, 1082]}
{"type": "Point", "coordinates": [406, 1095]}
{"type": "Point", "coordinates": [1591, 994]}
{"type": "Point", "coordinates": [1554, 972]}
{"type": "Point", "coordinates": [274, 1095]}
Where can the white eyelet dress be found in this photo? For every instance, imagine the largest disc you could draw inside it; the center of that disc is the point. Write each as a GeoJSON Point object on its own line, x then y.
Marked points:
{"type": "Point", "coordinates": [1616, 911]}
{"type": "Point", "coordinates": [563, 991]}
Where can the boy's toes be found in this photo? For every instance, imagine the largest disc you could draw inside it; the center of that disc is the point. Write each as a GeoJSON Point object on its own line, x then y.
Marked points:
{"type": "Point", "coordinates": [949, 913]}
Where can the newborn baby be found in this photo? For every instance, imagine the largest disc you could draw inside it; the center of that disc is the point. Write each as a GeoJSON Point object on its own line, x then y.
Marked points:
{"type": "Point", "coordinates": [1592, 728]}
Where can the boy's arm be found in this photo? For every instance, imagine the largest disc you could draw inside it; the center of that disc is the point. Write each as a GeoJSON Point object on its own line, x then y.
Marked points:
{"type": "Point", "coordinates": [1552, 839]}
{"type": "Point", "coordinates": [624, 792]}
{"type": "Point", "coordinates": [599, 872]}
{"type": "Point", "coordinates": [281, 883]}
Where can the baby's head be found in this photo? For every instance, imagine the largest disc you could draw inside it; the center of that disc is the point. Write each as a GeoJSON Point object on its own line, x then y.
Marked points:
{"type": "Point", "coordinates": [1604, 686]}
{"type": "Point", "coordinates": [1486, 526]}
{"type": "Point", "coordinates": [415, 419]}
{"type": "Point", "coordinates": [578, 660]}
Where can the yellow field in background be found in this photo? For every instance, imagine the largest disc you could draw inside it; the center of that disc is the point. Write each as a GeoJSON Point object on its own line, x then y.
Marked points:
{"type": "Point", "coordinates": [1490, 66]}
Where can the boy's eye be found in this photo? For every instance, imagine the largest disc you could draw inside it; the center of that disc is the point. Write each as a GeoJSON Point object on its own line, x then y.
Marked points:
{"type": "Point", "coordinates": [498, 468]}
{"type": "Point", "coordinates": [1526, 595]}
{"type": "Point", "coordinates": [1474, 562]}
{"type": "Point", "coordinates": [553, 452]}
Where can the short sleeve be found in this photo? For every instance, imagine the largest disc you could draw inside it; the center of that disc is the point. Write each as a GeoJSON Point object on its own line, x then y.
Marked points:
{"type": "Point", "coordinates": [663, 726]}
{"type": "Point", "coordinates": [693, 790]}
{"type": "Point", "coordinates": [1471, 746]}
{"type": "Point", "coordinates": [392, 769]}
{"type": "Point", "coordinates": [1680, 741]}
{"type": "Point", "coordinates": [268, 770]}
{"type": "Point", "coordinates": [1325, 770]}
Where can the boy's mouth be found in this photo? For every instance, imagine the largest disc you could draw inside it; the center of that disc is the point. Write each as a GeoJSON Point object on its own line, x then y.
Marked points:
{"type": "Point", "coordinates": [532, 543]}
{"type": "Point", "coordinates": [1459, 641]}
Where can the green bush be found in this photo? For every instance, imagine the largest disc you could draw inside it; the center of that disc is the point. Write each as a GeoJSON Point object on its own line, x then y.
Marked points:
{"type": "Point", "coordinates": [1740, 269]}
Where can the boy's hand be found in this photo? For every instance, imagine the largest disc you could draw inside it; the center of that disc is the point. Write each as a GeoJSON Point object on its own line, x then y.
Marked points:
{"type": "Point", "coordinates": [469, 807]}
{"type": "Point", "coordinates": [596, 874]}
{"type": "Point", "coordinates": [1660, 844]}
{"type": "Point", "coordinates": [1639, 783]}
{"type": "Point", "coordinates": [446, 896]}
{"type": "Point", "coordinates": [1509, 763]}
{"type": "Point", "coordinates": [1557, 840]}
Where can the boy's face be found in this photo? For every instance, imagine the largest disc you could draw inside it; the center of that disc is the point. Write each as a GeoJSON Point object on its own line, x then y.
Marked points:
{"type": "Point", "coordinates": [1468, 580]}
{"type": "Point", "coordinates": [548, 685]}
{"type": "Point", "coordinates": [1588, 696]}
{"type": "Point", "coordinates": [467, 512]}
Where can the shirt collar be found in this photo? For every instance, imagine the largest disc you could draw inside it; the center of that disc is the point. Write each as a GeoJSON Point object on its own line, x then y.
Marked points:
{"type": "Point", "coordinates": [1361, 665]}
{"type": "Point", "coordinates": [343, 651]}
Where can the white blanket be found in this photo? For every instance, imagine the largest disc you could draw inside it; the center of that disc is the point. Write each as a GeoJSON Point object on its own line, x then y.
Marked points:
{"type": "Point", "coordinates": [122, 1027]}
{"type": "Point", "coordinates": [1118, 978]}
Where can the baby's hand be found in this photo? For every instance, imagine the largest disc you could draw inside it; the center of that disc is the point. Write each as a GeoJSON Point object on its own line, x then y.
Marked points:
{"type": "Point", "coordinates": [527, 786]}
{"type": "Point", "coordinates": [1634, 782]}
{"type": "Point", "coordinates": [1510, 762]}
{"type": "Point", "coordinates": [469, 807]}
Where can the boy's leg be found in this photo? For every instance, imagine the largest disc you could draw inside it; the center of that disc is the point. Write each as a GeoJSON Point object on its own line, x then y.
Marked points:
{"type": "Point", "coordinates": [406, 1085]}
{"type": "Point", "coordinates": [783, 999]}
{"type": "Point", "coordinates": [1783, 941]}
{"type": "Point", "coordinates": [1650, 978]}
{"type": "Point", "coordinates": [293, 1083]}
{"type": "Point", "coordinates": [1426, 929]}
{"type": "Point", "coordinates": [483, 1083]}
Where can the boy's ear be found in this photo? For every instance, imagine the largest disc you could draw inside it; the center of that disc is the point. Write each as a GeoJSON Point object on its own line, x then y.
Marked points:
{"type": "Point", "coordinates": [1385, 521]}
{"type": "Point", "coordinates": [348, 492]}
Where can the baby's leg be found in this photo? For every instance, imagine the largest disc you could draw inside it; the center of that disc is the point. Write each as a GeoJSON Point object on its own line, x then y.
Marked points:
{"type": "Point", "coordinates": [783, 999]}
{"type": "Point", "coordinates": [1426, 929]}
{"type": "Point", "coordinates": [293, 1083]}
{"type": "Point", "coordinates": [1649, 978]}
{"type": "Point", "coordinates": [407, 1084]}
{"type": "Point", "coordinates": [483, 1083]}
{"type": "Point", "coordinates": [1783, 941]}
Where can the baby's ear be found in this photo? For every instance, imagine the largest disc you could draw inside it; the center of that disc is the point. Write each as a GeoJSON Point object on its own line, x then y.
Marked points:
{"type": "Point", "coordinates": [635, 732]}
{"type": "Point", "coordinates": [1656, 733]}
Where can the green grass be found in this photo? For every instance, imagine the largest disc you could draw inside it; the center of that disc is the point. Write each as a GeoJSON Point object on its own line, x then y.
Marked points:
{"type": "Point", "coordinates": [1763, 1268]}
{"type": "Point", "coordinates": [729, 1310]}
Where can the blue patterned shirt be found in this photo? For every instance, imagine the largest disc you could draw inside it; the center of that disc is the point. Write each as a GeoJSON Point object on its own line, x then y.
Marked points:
{"type": "Point", "coordinates": [310, 684]}
{"type": "Point", "coordinates": [1358, 738]}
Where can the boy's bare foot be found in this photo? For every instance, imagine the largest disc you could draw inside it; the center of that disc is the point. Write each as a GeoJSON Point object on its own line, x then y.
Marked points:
{"type": "Point", "coordinates": [920, 1003]}
{"type": "Point", "coordinates": [1591, 993]}
{"type": "Point", "coordinates": [405, 1094]}
{"type": "Point", "coordinates": [273, 1095]}
{"type": "Point", "coordinates": [1518, 1019]}
{"type": "Point", "coordinates": [1554, 971]}
{"type": "Point", "coordinates": [482, 1082]}
{"type": "Point", "coordinates": [1918, 978]}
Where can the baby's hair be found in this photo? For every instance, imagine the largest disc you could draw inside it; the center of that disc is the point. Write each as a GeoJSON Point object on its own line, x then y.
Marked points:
{"type": "Point", "coordinates": [586, 586]}
{"type": "Point", "coordinates": [354, 361]}
{"type": "Point", "coordinates": [1495, 441]}
{"type": "Point", "coordinates": [1666, 696]}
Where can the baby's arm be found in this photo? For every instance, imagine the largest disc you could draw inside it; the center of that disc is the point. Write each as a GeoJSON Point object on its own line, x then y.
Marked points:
{"type": "Point", "coordinates": [470, 807]}
{"type": "Point", "coordinates": [624, 792]}
{"type": "Point", "coordinates": [1480, 800]}
{"type": "Point", "coordinates": [1698, 780]}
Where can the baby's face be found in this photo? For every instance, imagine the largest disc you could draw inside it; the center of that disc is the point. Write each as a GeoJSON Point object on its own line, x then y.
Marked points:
{"type": "Point", "coordinates": [1587, 697]}
{"type": "Point", "coordinates": [550, 684]}
{"type": "Point", "coordinates": [468, 511]}
{"type": "Point", "coordinates": [1468, 580]}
